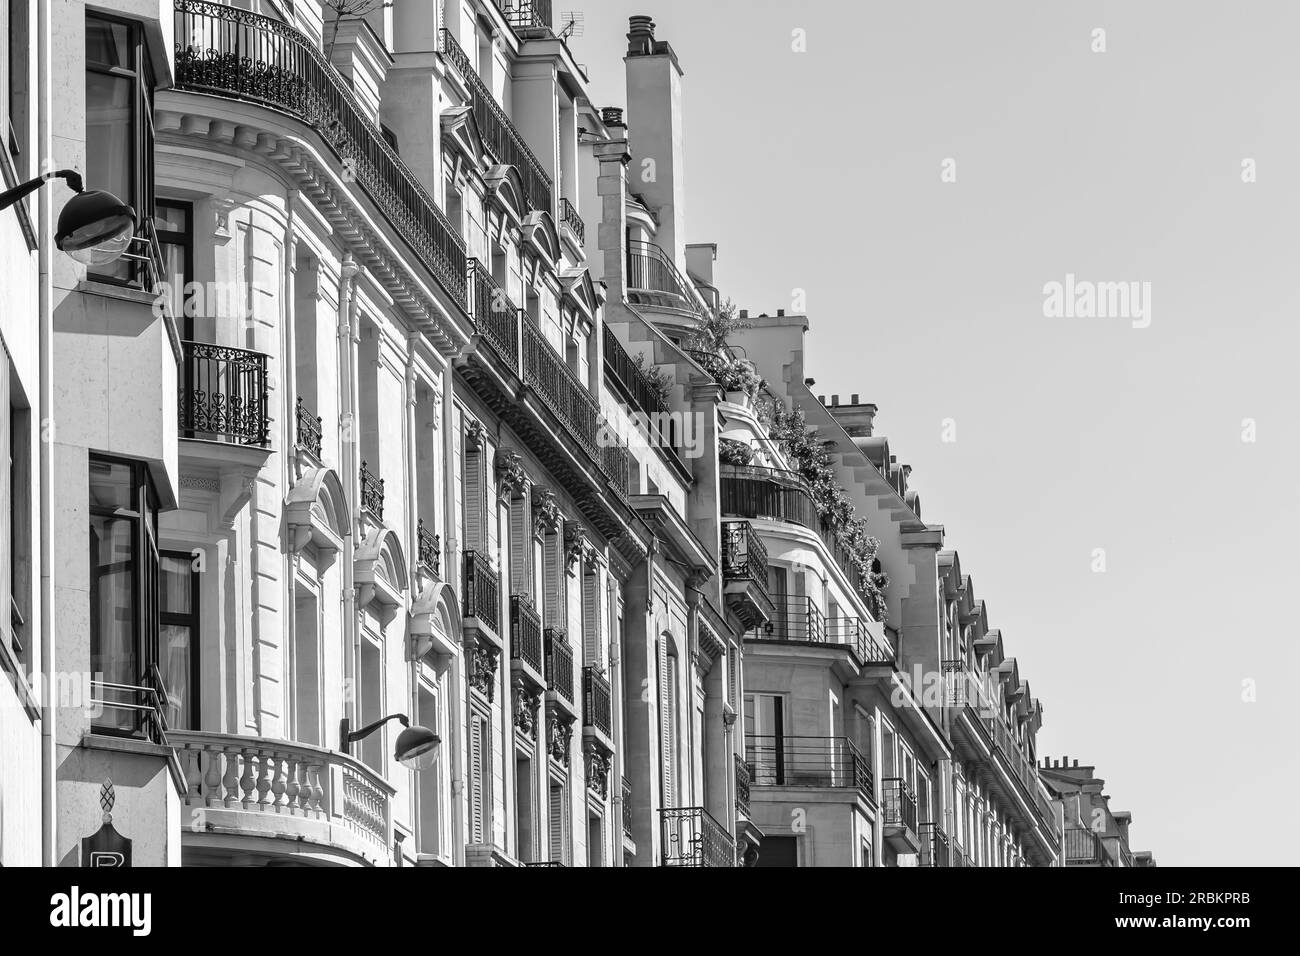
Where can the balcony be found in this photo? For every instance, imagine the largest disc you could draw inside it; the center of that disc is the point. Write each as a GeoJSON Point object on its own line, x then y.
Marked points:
{"type": "Point", "coordinates": [527, 16]}
{"type": "Point", "coordinates": [1083, 847]}
{"type": "Point", "coordinates": [774, 494]}
{"type": "Point", "coordinates": [821, 763]}
{"type": "Point", "coordinates": [935, 847]}
{"type": "Point", "coordinates": [627, 808]}
{"type": "Point", "coordinates": [498, 132]}
{"type": "Point", "coordinates": [653, 280]}
{"type": "Point", "coordinates": [372, 493]}
{"type": "Point", "coordinates": [691, 837]}
{"type": "Point", "coordinates": [481, 597]}
{"type": "Point", "coordinates": [856, 634]}
{"type": "Point", "coordinates": [744, 574]}
{"type": "Point", "coordinates": [232, 53]}
{"type": "Point", "coordinates": [495, 316]}
{"type": "Point", "coordinates": [570, 401]}
{"type": "Point", "coordinates": [634, 386]}
{"type": "Point", "coordinates": [428, 550]}
{"type": "Point", "coordinates": [223, 395]}
{"type": "Point", "coordinates": [248, 791]}
{"type": "Point", "coordinates": [898, 814]}
{"type": "Point", "coordinates": [526, 640]}
{"type": "Point", "coordinates": [569, 216]}
{"type": "Point", "coordinates": [308, 430]}
{"type": "Point", "coordinates": [131, 710]}
{"type": "Point", "coordinates": [596, 707]}
{"type": "Point", "coordinates": [742, 786]}
{"type": "Point", "coordinates": [559, 669]}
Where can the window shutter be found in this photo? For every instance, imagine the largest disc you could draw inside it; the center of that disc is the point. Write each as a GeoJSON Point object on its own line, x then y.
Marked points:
{"type": "Point", "coordinates": [556, 613]}
{"type": "Point", "coordinates": [477, 790]}
{"type": "Point", "coordinates": [521, 547]}
{"type": "Point", "coordinates": [667, 693]}
{"type": "Point", "coordinates": [6, 498]}
{"type": "Point", "coordinates": [592, 649]}
{"type": "Point", "coordinates": [559, 814]}
{"type": "Point", "coordinates": [476, 535]}
{"type": "Point", "coordinates": [733, 674]}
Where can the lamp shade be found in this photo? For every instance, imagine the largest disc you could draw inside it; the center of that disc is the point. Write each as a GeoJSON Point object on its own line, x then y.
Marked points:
{"type": "Point", "coordinates": [95, 227]}
{"type": "Point", "coordinates": [417, 748]}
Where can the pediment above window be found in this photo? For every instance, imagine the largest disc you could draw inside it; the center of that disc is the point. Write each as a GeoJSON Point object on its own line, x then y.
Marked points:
{"type": "Point", "coordinates": [380, 574]}
{"type": "Point", "coordinates": [316, 513]}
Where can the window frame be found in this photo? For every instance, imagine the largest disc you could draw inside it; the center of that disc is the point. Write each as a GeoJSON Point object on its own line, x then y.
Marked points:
{"type": "Point", "coordinates": [194, 621]}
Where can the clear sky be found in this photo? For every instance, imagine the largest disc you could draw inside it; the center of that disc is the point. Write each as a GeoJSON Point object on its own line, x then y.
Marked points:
{"type": "Point", "coordinates": [821, 171]}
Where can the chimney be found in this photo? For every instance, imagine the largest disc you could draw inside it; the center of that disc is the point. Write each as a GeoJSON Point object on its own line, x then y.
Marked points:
{"type": "Point", "coordinates": [780, 313]}
{"type": "Point", "coordinates": [612, 116]}
{"type": "Point", "coordinates": [744, 313]}
{"type": "Point", "coordinates": [700, 257]}
{"type": "Point", "coordinates": [857, 419]}
{"type": "Point", "coordinates": [855, 398]}
{"type": "Point", "coordinates": [657, 134]}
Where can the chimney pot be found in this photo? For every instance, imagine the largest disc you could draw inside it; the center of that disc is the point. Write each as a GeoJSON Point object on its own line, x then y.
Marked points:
{"type": "Point", "coordinates": [780, 313]}
{"type": "Point", "coordinates": [1076, 761]}
{"type": "Point", "coordinates": [640, 35]}
{"type": "Point", "coordinates": [822, 399]}
{"type": "Point", "coordinates": [744, 313]}
{"type": "Point", "coordinates": [612, 116]}
{"type": "Point", "coordinates": [835, 400]}
{"type": "Point", "coordinates": [855, 399]}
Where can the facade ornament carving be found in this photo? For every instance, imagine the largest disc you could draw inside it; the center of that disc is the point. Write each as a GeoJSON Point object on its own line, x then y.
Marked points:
{"type": "Point", "coordinates": [575, 544]}
{"type": "Point", "coordinates": [526, 703]}
{"type": "Point", "coordinates": [512, 478]}
{"type": "Point", "coordinates": [559, 730]}
{"type": "Point", "coordinates": [596, 763]}
{"type": "Point", "coordinates": [483, 669]}
{"type": "Point", "coordinates": [546, 511]}
{"type": "Point", "coordinates": [475, 435]}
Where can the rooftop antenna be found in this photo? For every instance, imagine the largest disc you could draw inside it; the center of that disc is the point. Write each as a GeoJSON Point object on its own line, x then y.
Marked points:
{"type": "Point", "coordinates": [573, 24]}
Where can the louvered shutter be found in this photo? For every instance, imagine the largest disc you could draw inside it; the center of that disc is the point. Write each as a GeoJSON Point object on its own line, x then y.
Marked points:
{"type": "Point", "coordinates": [521, 547]}
{"type": "Point", "coordinates": [553, 568]}
{"type": "Point", "coordinates": [666, 724]}
{"type": "Point", "coordinates": [6, 497]}
{"type": "Point", "coordinates": [476, 536]}
{"type": "Point", "coordinates": [592, 650]}
{"type": "Point", "coordinates": [477, 802]}
{"type": "Point", "coordinates": [559, 812]}
{"type": "Point", "coordinates": [733, 677]}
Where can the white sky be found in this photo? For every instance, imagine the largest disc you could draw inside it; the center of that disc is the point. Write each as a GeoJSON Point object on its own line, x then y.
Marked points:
{"type": "Point", "coordinates": [821, 171]}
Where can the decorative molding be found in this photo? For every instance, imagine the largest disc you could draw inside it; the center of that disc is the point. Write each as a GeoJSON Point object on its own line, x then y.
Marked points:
{"type": "Point", "coordinates": [483, 669]}
{"type": "Point", "coordinates": [596, 765]}
{"type": "Point", "coordinates": [546, 511]}
{"type": "Point", "coordinates": [196, 483]}
{"type": "Point", "coordinates": [559, 731]}
{"type": "Point", "coordinates": [527, 703]}
{"type": "Point", "coordinates": [575, 544]}
{"type": "Point", "coordinates": [512, 478]}
{"type": "Point", "coordinates": [475, 435]}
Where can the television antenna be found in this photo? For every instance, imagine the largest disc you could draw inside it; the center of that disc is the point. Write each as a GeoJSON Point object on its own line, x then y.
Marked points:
{"type": "Point", "coordinates": [573, 24]}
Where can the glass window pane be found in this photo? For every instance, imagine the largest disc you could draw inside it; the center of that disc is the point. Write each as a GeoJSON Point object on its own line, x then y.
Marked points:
{"type": "Point", "coordinates": [110, 486]}
{"type": "Point", "coordinates": [109, 44]}
{"type": "Point", "coordinates": [113, 654]}
{"type": "Point", "coordinates": [175, 591]}
{"type": "Point", "coordinates": [169, 218]}
{"type": "Point", "coordinates": [176, 647]}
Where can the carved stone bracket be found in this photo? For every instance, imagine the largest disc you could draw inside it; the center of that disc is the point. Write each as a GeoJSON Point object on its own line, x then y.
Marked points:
{"type": "Point", "coordinates": [512, 479]}
{"type": "Point", "coordinates": [559, 731]}
{"type": "Point", "coordinates": [475, 435]}
{"type": "Point", "coordinates": [596, 762]}
{"type": "Point", "coordinates": [483, 669]}
{"type": "Point", "coordinates": [527, 703]}
{"type": "Point", "coordinates": [575, 545]}
{"type": "Point", "coordinates": [546, 511]}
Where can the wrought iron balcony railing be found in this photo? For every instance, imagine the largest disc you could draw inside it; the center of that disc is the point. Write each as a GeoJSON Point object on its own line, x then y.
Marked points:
{"type": "Point", "coordinates": [576, 408]}
{"type": "Point", "coordinates": [855, 632]}
{"type": "Point", "coordinates": [1083, 847]}
{"type": "Point", "coordinates": [308, 429]}
{"type": "Point", "coordinates": [743, 782]}
{"type": "Point", "coordinates": [482, 595]}
{"type": "Point", "coordinates": [525, 15]}
{"type": "Point", "coordinates": [372, 492]}
{"type": "Point", "coordinates": [429, 547]}
{"type": "Point", "coordinates": [627, 807]}
{"type": "Point", "coordinates": [692, 837]}
{"type": "Point", "coordinates": [596, 697]}
{"type": "Point", "coordinates": [794, 619]}
{"type": "Point", "coordinates": [232, 53]}
{"type": "Point", "coordinates": [819, 762]}
{"type": "Point", "coordinates": [651, 270]}
{"type": "Point", "coordinates": [559, 663]}
{"type": "Point", "coordinates": [131, 710]}
{"type": "Point", "coordinates": [525, 632]}
{"type": "Point", "coordinates": [898, 803]}
{"type": "Point", "coordinates": [495, 316]}
{"type": "Point", "coordinates": [638, 388]}
{"type": "Point", "coordinates": [617, 464]}
{"type": "Point", "coordinates": [744, 556]}
{"type": "Point", "coordinates": [569, 216]}
{"type": "Point", "coordinates": [223, 395]}
{"type": "Point", "coordinates": [936, 850]}
{"type": "Point", "coordinates": [498, 132]}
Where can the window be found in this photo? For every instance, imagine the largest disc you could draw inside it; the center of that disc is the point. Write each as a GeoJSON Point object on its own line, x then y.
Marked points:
{"type": "Point", "coordinates": [15, 519]}
{"type": "Point", "coordinates": [305, 665]}
{"type": "Point", "coordinates": [480, 798]}
{"type": "Point", "coordinates": [429, 781]}
{"type": "Point", "coordinates": [178, 638]}
{"type": "Point", "coordinates": [370, 702]}
{"type": "Point", "coordinates": [14, 60]}
{"type": "Point", "coordinates": [526, 798]}
{"type": "Point", "coordinates": [595, 841]}
{"type": "Point", "coordinates": [173, 224]}
{"type": "Point", "coordinates": [668, 704]}
{"type": "Point", "coordinates": [123, 592]}
{"type": "Point", "coordinates": [559, 820]}
{"type": "Point", "coordinates": [119, 122]}
{"type": "Point", "coordinates": [778, 851]}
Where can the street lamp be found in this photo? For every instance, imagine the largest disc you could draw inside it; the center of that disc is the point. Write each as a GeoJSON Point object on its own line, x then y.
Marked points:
{"type": "Point", "coordinates": [95, 227]}
{"type": "Point", "coordinates": [416, 749]}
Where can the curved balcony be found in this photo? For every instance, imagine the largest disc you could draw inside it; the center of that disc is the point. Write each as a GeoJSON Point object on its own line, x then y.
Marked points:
{"type": "Point", "coordinates": [232, 53]}
{"type": "Point", "coordinates": [744, 574]}
{"type": "Point", "coordinates": [273, 799]}
{"type": "Point", "coordinates": [692, 837]}
{"type": "Point", "coordinates": [654, 281]}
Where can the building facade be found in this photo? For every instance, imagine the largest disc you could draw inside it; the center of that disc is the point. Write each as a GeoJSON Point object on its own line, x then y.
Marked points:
{"type": "Point", "coordinates": [410, 410]}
